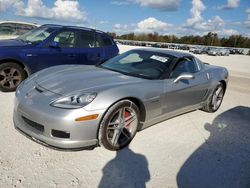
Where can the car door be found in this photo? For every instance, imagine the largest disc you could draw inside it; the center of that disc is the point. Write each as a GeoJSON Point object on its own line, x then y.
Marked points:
{"type": "Point", "coordinates": [58, 51]}
{"type": "Point", "coordinates": [185, 93]}
{"type": "Point", "coordinates": [88, 49]}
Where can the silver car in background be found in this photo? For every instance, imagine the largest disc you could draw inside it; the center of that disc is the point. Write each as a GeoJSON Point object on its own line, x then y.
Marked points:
{"type": "Point", "coordinates": [224, 52]}
{"type": "Point", "coordinates": [13, 29]}
{"type": "Point", "coordinates": [214, 52]}
{"type": "Point", "coordinates": [79, 106]}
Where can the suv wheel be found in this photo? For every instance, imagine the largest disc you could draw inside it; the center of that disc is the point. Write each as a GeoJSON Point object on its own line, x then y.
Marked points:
{"type": "Point", "coordinates": [11, 75]}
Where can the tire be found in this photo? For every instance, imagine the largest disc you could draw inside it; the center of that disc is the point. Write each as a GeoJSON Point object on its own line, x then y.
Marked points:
{"type": "Point", "coordinates": [116, 130]}
{"type": "Point", "coordinates": [215, 99]}
{"type": "Point", "coordinates": [11, 75]}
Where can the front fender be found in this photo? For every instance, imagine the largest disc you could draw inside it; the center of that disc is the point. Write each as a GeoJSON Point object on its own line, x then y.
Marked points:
{"type": "Point", "coordinates": [150, 95]}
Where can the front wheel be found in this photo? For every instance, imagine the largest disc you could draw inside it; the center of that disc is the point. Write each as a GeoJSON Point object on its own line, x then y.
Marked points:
{"type": "Point", "coordinates": [215, 100]}
{"type": "Point", "coordinates": [11, 75]}
{"type": "Point", "coordinates": [119, 125]}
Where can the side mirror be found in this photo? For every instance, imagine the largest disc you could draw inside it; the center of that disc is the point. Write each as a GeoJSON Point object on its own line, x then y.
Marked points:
{"type": "Point", "coordinates": [184, 76]}
{"type": "Point", "coordinates": [54, 44]}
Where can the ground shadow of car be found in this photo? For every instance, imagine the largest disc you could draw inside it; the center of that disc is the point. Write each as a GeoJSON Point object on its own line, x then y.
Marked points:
{"type": "Point", "coordinates": [224, 159]}
{"type": "Point", "coordinates": [127, 169]}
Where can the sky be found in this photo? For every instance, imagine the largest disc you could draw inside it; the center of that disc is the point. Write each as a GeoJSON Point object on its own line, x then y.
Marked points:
{"type": "Point", "coordinates": [166, 17]}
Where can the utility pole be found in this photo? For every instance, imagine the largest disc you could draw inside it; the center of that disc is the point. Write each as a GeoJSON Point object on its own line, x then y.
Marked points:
{"type": "Point", "coordinates": [235, 40]}
{"type": "Point", "coordinates": [213, 35]}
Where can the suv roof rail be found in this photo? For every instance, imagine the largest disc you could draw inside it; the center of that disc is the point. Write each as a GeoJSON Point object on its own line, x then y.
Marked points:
{"type": "Point", "coordinates": [76, 27]}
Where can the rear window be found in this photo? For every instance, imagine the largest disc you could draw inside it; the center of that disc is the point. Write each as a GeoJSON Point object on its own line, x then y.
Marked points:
{"type": "Point", "coordinates": [107, 41]}
{"type": "Point", "coordinates": [104, 41]}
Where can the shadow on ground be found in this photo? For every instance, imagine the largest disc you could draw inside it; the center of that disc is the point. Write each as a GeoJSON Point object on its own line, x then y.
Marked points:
{"type": "Point", "coordinates": [127, 169]}
{"type": "Point", "coordinates": [224, 159]}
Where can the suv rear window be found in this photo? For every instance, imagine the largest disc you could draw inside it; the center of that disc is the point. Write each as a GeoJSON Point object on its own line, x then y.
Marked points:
{"type": "Point", "coordinates": [107, 41]}
{"type": "Point", "coordinates": [104, 41]}
{"type": "Point", "coordinates": [85, 39]}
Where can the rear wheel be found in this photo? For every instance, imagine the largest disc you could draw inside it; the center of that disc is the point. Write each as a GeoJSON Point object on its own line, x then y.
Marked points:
{"type": "Point", "coordinates": [119, 125]}
{"type": "Point", "coordinates": [11, 75]}
{"type": "Point", "coordinates": [215, 100]}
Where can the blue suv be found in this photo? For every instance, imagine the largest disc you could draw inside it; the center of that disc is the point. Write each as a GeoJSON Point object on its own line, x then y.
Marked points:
{"type": "Point", "coordinates": [51, 45]}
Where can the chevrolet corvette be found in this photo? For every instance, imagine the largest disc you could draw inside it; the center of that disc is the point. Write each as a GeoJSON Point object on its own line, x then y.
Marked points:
{"type": "Point", "coordinates": [80, 106]}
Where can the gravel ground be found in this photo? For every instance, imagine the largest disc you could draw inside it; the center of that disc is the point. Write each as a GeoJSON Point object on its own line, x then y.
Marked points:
{"type": "Point", "coordinates": [197, 149]}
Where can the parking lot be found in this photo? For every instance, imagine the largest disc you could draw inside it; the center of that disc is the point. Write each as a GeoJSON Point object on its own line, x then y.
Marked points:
{"type": "Point", "coordinates": [197, 149]}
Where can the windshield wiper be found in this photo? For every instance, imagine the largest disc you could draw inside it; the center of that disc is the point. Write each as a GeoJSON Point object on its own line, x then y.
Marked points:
{"type": "Point", "coordinates": [115, 70]}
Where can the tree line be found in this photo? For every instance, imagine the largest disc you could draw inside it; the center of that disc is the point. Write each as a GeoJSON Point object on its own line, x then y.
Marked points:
{"type": "Point", "coordinates": [210, 39]}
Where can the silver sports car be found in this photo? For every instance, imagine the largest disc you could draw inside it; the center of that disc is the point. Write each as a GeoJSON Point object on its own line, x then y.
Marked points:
{"type": "Point", "coordinates": [79, 106]}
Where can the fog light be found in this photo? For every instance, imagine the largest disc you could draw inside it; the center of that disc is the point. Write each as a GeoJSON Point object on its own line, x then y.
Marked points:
{"type": "Point", "coordinates": [86, 118]}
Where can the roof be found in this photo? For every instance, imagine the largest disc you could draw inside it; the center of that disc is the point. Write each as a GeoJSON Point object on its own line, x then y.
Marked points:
{"type": "Point", "coordinates": [174, 53]}
{"type": "Point", "coordinates": [74, 27]}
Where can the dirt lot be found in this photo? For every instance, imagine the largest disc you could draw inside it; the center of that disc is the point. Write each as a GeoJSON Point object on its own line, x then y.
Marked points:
{"type": "Point", "coordinates": [197, 149]}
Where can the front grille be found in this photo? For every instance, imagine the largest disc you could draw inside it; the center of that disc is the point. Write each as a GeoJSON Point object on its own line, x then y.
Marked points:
{"type": "Point", "coordinates": [34, 124]}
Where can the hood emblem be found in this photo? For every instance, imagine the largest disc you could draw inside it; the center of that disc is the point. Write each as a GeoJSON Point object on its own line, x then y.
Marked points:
{"type": "Point", "coordinates": [28, 95]}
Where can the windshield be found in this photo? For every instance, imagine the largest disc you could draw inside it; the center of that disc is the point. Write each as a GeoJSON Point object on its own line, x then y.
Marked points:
{"type": "Point", "coordinates": [37, 35]}
{"type": "Point", "coordinates": [139, 63]}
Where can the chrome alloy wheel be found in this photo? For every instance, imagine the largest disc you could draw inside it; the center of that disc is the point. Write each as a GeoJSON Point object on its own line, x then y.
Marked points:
{"type": "Point", "coordinates": [10, 77]}
{"type": "Point", "coordinates": [122, 126]}
{"type": "Point", "coordinates": [217, 97]}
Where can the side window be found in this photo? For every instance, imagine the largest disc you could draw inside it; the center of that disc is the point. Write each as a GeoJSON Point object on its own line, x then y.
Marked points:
{"type": "Point", "coordinates": [85, 39]}
{"type": "Point", "coordinates": [99, 41]}
{"type": "Point", "coordinates": [66, 39]}
{"type": "Point", "coordinates": [184, 66]}
{"type": "Point", "coordinates": [8, 29]}
{"type": "Point", "coordinates": [199, 63]}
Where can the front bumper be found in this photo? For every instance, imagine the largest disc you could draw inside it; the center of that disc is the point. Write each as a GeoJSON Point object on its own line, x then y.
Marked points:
{"type": "Point", "coordinates": [55, 127]}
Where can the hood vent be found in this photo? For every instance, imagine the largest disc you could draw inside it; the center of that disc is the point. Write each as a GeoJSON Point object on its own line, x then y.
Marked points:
{"type": "Point", "coordinates": [39, 89]}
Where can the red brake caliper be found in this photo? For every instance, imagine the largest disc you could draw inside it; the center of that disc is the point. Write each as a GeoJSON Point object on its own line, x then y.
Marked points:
{"type": "Point", "coordinates": [127, 114]}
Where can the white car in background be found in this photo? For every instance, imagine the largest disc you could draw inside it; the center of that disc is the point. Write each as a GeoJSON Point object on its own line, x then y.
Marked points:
{"type": "Point", "coordinates": [12, 29]}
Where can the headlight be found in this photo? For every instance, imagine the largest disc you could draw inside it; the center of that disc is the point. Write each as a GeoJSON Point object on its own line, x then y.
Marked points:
{"type": "Point", "coordinates": [74, 101]}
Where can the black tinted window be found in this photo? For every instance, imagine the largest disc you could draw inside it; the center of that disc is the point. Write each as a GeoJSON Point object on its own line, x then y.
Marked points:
{"type": "Point", "coordinates": [85, 39]}
{"type": "Point", "coordinates": [107, 41]}
{"type": "Point", "coordinates": [66, 39]}
{"type": "Point", "coordinates": [184, 66]}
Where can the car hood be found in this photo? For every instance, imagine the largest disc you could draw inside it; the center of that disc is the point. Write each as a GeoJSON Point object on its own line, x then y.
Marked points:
{"type": "Point", "coordinates": [71, 78]}
{"type": "Point", "coordinates": [12, 43]}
